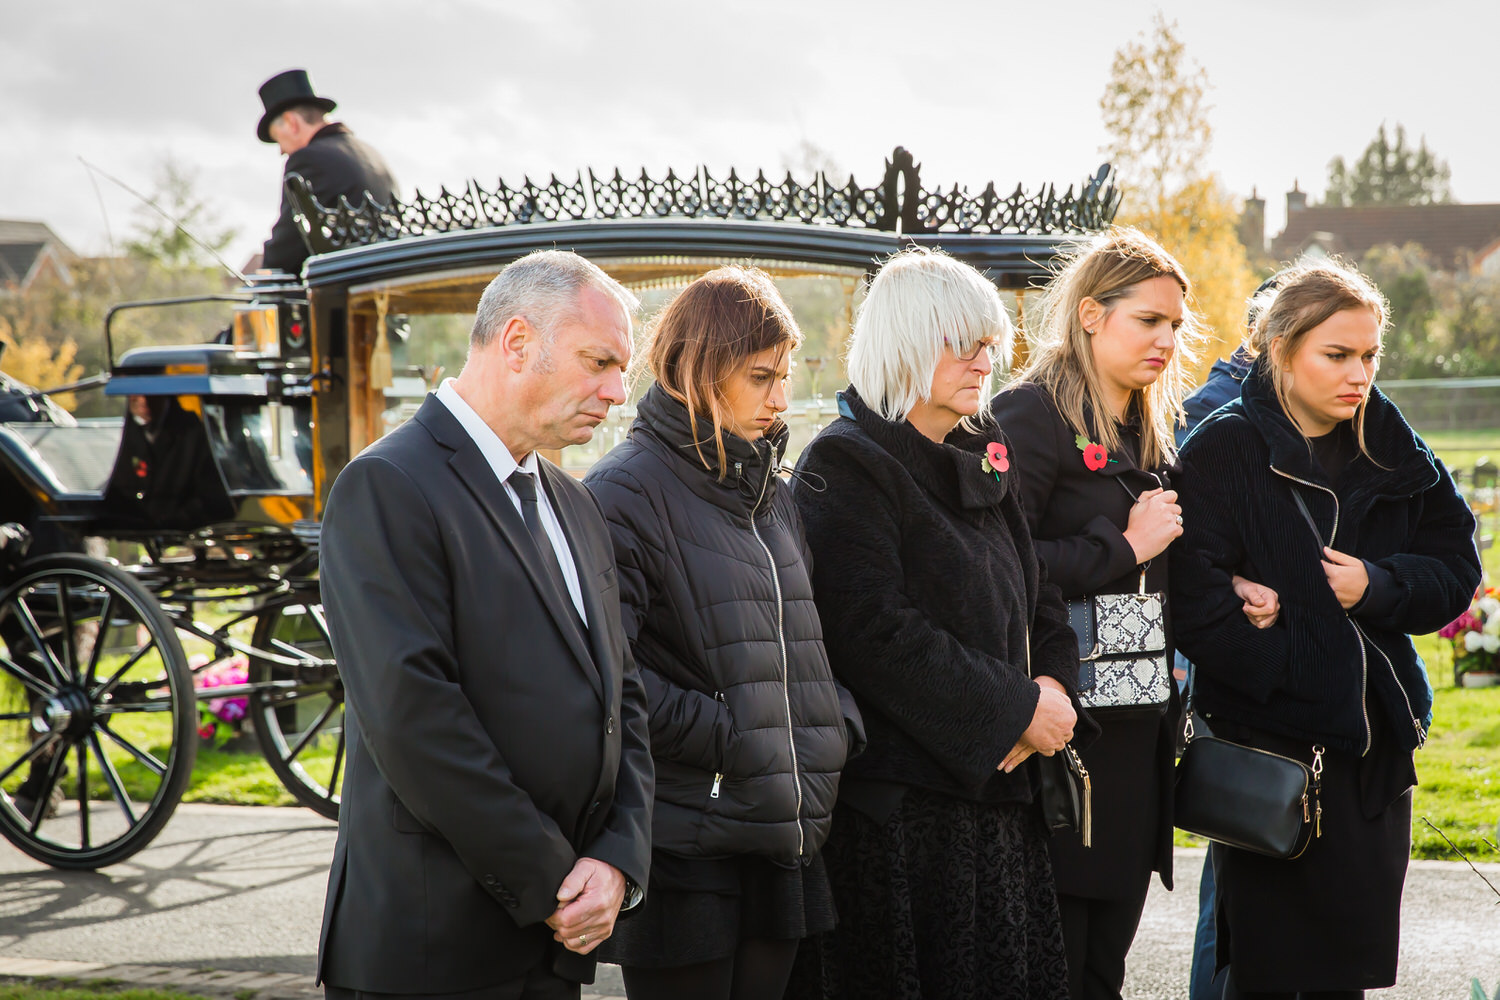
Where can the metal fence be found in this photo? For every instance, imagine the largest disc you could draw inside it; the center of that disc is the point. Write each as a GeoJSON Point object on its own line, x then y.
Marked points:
{"type": "Point", "coordinates": [1447, 404]}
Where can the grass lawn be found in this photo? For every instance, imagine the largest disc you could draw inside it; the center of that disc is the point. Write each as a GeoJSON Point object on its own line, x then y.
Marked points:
{"type": "Point", "coordinates": [57, 989]}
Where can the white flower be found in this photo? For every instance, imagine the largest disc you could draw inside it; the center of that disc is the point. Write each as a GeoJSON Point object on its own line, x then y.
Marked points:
{"type": "Point", "coordinates": [1491, 626]}
{"type": "Point", "coordinates": [1489, 607]}
{"type": "Point", "coordinates": [1491, 643]}
{"type": "Point", "coordinates": [1472, 641]}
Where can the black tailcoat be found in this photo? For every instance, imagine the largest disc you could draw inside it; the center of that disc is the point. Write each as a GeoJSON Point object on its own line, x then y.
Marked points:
{"type": "Point", "coordinates": [336, 164]}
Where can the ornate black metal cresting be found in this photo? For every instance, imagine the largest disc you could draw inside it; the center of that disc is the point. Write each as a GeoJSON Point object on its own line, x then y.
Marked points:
{"type": "Point", "coordinates": [898, 204]}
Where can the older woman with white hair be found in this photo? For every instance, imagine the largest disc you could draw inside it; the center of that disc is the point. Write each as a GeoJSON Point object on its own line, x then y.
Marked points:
{"type": "Point", "coordinates": [938, 618]}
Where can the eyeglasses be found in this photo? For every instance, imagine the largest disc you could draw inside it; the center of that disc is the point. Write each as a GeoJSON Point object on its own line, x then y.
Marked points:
{"type": "Point", "coordinates": [987, 345]}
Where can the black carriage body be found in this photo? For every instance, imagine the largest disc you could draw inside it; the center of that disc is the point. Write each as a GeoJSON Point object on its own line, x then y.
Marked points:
{"type": "Point", "coordinates": [379, 261]}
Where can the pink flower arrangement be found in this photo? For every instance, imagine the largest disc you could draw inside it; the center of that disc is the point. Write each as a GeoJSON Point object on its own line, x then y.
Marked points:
{"type": "Point", "coordinates": [231, 710]}
{"type": "Point", "coordinates": [1466, 622]}
{"type": "Point", "coordinates": [1475, 634]}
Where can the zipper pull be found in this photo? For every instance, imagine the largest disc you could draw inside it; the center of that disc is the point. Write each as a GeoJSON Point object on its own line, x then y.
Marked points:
{"type": "Point", "coordinates": [1421, 734]}
{"type": "Point", "coordinates": [1318, 829]}
{"type": "Point", "coordinates": [1306, 816]}
{"type": "Point", "coordinates": [1088, 811]}
{"type": "Point", "coordinates": [719, 775]}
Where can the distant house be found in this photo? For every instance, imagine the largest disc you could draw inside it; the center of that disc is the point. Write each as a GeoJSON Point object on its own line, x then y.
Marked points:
{"type": "Point", "coordinates": [1455, 237]}
{"type": "Point", "coordinates": [31, 252]}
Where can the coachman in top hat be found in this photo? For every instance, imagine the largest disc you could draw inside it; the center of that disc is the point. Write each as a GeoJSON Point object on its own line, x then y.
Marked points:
{"type": "Point", "coordinates": [325, 153]}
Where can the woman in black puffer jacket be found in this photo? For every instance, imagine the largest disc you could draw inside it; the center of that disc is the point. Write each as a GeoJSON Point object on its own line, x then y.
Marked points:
{"type": "Point", "coordinates": [748, 728]}
{"type": "Point", "coordinates": [1313, 485]}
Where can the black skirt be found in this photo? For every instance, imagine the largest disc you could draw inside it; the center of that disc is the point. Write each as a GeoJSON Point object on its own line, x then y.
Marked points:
{"type": "Point", "coordinates": [1330, 919]}
{"type": "Point", "coordinates": [699, 910]}
{"type": "Point", "coordinates": [944, 898]}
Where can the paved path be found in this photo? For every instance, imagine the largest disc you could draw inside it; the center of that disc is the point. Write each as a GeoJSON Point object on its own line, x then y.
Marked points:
{"type": "Point", "coordinates": [229, 899]}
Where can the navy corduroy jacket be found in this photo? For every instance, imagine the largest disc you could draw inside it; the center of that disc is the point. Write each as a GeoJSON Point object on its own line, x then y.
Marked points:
{"type": "Point", "coordinates": [1318, 671]}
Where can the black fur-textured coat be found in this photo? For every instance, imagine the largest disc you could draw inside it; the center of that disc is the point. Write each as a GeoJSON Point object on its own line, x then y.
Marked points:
{"type": "Point", "coordinates": [928, 587]}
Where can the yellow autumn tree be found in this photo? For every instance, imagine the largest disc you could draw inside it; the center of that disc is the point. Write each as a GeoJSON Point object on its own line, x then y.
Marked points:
{"type": "Point", "coordinates": [1156, 116]}
{"type": "Point", "coordinates": [30, 359]}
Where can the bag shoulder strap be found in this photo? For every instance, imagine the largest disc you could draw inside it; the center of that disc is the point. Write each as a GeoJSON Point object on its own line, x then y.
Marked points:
{"type": "Point", "coordinates": [1307, 516]}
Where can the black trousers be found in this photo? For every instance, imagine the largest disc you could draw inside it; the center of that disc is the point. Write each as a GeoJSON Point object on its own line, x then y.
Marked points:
{"type": "Point", "coordinates": [1233, 992]}
{"type": "Point", "coordinates": [1097, 934]}
{"type": "Point", "coordinates": [541, 983]}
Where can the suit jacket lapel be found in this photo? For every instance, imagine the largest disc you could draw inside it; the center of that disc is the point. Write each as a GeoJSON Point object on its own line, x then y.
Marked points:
{"type": "Point", "coordinates": [565, 505]}
{"type": "Point", "coordinates": [470, 465]}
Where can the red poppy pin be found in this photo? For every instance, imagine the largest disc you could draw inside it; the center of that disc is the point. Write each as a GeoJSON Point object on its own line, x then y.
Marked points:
{"type": "Point", "coordinates": [996, 459]}
{"type": "Point", "coordinates": [1094, 455]}
{"type": "Point", "coordinates": [140, 468]}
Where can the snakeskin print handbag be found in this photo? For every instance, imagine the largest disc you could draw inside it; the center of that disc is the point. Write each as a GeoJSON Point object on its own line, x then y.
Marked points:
{"type": "Point", "coordinates": [1122, 650]}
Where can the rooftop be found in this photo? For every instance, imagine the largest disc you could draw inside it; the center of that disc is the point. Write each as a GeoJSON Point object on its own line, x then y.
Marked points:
{"type": "Point", "coordinates": [1449, 233]}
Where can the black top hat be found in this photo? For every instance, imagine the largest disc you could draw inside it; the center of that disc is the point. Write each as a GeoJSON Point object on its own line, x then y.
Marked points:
{"type": "Point", "coordinates": [287, 90]}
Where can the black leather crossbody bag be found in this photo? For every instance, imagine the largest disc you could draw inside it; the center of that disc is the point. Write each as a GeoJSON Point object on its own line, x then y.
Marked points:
{"type": "Point", "coordinates": [1247, 798]}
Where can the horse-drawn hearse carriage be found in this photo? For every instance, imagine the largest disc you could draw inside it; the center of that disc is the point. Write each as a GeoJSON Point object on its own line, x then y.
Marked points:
{"type": "Point", "coordinates": [191, 522]}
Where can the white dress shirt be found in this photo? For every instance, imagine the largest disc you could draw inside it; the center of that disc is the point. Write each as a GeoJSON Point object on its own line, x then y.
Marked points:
{"type": "Point", "coordinates": [504, 463]}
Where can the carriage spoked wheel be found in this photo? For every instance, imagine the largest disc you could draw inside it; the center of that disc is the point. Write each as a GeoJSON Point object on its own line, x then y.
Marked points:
{"type": "Point", "coordinates": [98, 722]}
{"type": "Point", "coordinates": [297, 702]}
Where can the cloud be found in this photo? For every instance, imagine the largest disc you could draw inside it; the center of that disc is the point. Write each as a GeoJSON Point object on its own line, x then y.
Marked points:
{"type": "Point", "coordinates": [473, 88]}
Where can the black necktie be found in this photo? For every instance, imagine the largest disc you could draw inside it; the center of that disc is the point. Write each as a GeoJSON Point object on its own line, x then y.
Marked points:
{"type": "Point", "coordinates": [525, 486]}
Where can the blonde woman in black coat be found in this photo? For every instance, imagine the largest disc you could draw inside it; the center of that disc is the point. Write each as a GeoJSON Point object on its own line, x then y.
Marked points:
{"type": "Point", "coordinates": [1091, 421]}
{"type": "Point", "coordinates": [1313, 485]}
{"type": "Point", "coordinates": [939, 620]}
{"type": "Point", "coordinates": [749, 731]}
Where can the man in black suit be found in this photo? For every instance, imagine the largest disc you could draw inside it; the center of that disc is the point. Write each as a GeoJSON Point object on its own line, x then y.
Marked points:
{"type": "Point", "coordinates": [325, 153]}
{"type": "Point", "coordinates": [496, 812]}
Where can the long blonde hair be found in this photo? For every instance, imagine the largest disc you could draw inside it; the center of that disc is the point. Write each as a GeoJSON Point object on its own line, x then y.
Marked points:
{"type": "Point", "coordinates": [1309, 294]}
{"type": "Point", "coordinates": [1106, 269]}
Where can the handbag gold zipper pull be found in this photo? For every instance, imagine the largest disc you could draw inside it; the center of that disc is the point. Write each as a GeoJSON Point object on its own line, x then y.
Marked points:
{"type": "Point", "coordinates": [1088, 811]}
{"type": "Point", "coordinates": [1317, 787]}
{"type": "Point", "coordinates": [1076, 763]}
{"type": "Point", "coordinates": [1306, 816]}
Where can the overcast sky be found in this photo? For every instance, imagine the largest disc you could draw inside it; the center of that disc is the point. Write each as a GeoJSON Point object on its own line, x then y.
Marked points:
{"type": "Point", "coordinates": [451, 89]}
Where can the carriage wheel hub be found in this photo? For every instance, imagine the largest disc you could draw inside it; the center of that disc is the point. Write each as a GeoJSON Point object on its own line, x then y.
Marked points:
{"type": "Point", "coordinates": [65, 713]}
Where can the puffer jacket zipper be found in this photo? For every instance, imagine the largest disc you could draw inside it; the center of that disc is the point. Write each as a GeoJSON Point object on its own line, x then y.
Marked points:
{"type": "Point", "coordinates": [719, 774]}
{"type": "Point", "coordinates": [786, 691]}
{"type": "Point", "coordinates": [1364, 658]}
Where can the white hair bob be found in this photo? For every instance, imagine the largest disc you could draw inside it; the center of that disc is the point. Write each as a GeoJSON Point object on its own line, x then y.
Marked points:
{"type": "Point", "coordinates": [920, 301]}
